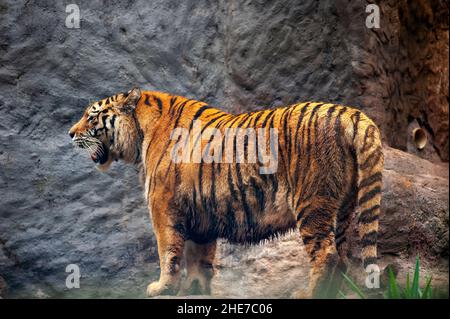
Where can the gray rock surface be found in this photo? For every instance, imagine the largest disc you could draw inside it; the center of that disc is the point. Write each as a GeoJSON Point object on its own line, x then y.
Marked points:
{"type": "Point", "coordinates": [56, 209]}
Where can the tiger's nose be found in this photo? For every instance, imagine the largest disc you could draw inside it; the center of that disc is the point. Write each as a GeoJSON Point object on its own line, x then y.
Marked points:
{"type": "Point", "coordinates": [71, 133]}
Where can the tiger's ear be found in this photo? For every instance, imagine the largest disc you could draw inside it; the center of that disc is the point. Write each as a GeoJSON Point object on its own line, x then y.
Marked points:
{"type": "Point", "coordinates": [131, 99]}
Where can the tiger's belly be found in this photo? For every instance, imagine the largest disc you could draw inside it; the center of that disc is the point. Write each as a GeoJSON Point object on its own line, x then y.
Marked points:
{"type": "Point", "coordinates": [245, 212]}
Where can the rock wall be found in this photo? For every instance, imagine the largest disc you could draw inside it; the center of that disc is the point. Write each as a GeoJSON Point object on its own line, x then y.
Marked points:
{"type": "Point", "coordinates": [56, 209]}
{"type": "Point", "coordinates": [403, 73]}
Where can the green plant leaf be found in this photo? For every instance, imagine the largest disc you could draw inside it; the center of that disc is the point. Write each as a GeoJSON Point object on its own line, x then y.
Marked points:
{"type": "Point", "coordinates": [354, 287]}
{"type": "Point", "coordinates": [408, 287]}
{"type": "Point", "coordinates": [342, 294]}
{"type": "Point", "coordinates": [426, 294]}
{"type": "Point", "coordinates": [393, 292]}
{"type": "Point", "coordinates": [415, 293]}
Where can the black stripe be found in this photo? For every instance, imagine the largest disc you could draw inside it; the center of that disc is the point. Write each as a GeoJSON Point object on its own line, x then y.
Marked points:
{"type": "Point", "coordinates": [258, 116]}
{"type": "Point", "coordinates": [274, 181]}
{"type": "Point", "coordinates": [308, 145]}
{"type": "Point", "coordinates": [370, 261]}
{"type": "Point", "coordinates": [302, 212]}
{"type": "Point", "coordinates": [231, 184]}
{"type": "Point", "coordinates": [369, 130]}
{"type": "Point", "coordinates": [232, 227]}
{"type": "Point", "coordinates": [259, 194]}
{"type": "Point", "coordinates": [369, 239]}
{"type": "Point", "coordinates": [338, 130]}
{"type": "Point", "coordinates": [340, 240]}
{"type": "Point", "coordinates": [173, 100]}
{"type": "Point", "coordinates": [316, 247]}
{"type": "Point", "coordinates": [307, 239]}
{"type": "Point", "coordinates": [212, 191]}
{"type": "Point", "coordinates": [289, 149]}
{"type": "Point", "coordinates": [330, 115]}
{"type": "Point", "coordinates": [268, 117]}
{"type": "Point", "coordinates": [228, 123]}
{"type": "Point", "coordinates": [367, 216]}
{"type": "Point", "coordinates": [298, 145]}
{"type": "Point", "coordinates": [113, 121]}
{"type": "Point", "coordinates": [243, 120]}
{"type": "Point", "coordinates": [240, 125]}
{"type": "Point", "coordinates": [300, 120]}
{"type": "Point", "coordinates": [314, 216]}
{"type": "Point", "coordinates": [284, 121]}
{"type": "Point", "coordinates": [104, 117]}
{"type": "Point", "coordinates": [255, 124]}
{"type": "Point", "coordinates": [179, 113]}
{"type": "Point", "coordinates": [210, 122]}
{"type": "Point", "coordinates": [355, 125]}
{"type": "Point", "coordinates": [241, 189]}
{"type": "Point", "coordinates": [218, 126]}
{"type": "Point", "coordinates": [174, 265]}
{"type": "Point", "coordinates": [146, 101]}
{"type": "Point", "coordinates": [371, 180]}
{"type": "Point", "coordinates": [372, 159]}
{"type": "Point", "coordinates": [240, 186]}
{"type": "Point", "coordinates": [344, 210]}
{"type": "Point", "coordinates": [198, 114]}
{"type": "Point", "coordinates": [160, 106]}
{"type": "Point", "coordinates": [272, 120]}
{"type": "Point", "coordinates": [319, 237]}
{"type": "Point", "coordinates": [347, 207]}
{"type": "Point", "coordinates": [180, 229]}
{"type": "Point", "coordinates": [369, 195]}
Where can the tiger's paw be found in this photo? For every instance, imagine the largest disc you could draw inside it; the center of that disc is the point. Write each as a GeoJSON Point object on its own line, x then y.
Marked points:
{"type": "Point", "coordinates": [157, 289]}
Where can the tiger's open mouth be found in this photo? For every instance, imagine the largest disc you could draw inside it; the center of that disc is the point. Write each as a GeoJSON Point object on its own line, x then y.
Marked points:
{"type": "Point", "coordinates": [97, 150]}
{"type": "Point", "coordinates": [100, 154]}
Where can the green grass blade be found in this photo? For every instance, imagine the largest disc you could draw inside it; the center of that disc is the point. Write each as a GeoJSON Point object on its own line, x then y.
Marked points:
{"type": "Point", "coordinates": [354, 287]}
{"type": "Point", "coordinates": [393, 292]}
{"type": "Point", "coordinates": [415, 284]}
{"type": "Point", "coordinates": [426, 294]}
{"type": "Point", "coordinates": [342, 294]}
{"type": "Point", "coordinates": [408, 287]}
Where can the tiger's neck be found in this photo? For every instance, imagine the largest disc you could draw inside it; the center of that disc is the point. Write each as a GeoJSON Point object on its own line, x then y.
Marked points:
{"type": "Point", "coordinates": [157, 112]}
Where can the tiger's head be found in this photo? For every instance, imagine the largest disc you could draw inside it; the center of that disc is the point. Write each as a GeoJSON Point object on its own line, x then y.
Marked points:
{"type": "Point", "coordinates": [109, 130]}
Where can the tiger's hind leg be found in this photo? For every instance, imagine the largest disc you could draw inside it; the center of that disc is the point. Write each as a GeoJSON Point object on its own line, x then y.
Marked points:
{"type": "Point", "coordinates": [199, 265]}
{"type": "Point", "coordinates": [317, 229]}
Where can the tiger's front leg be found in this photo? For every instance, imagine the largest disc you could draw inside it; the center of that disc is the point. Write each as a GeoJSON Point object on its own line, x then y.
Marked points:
{"type": "Point", "coordinates": [170, 249]}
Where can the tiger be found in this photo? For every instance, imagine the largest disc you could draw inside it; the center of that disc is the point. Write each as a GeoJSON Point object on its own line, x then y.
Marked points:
{"type": "Point", "coordinates": [329, 173]}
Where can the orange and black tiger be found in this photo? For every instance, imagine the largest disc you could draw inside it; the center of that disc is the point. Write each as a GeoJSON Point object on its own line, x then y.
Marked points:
{"type": "Point", "coordinates": [327, 162]}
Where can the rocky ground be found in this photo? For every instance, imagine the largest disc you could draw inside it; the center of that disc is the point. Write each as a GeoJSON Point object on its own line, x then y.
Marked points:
{"type": "Point", "coordinates": [56, 209]}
